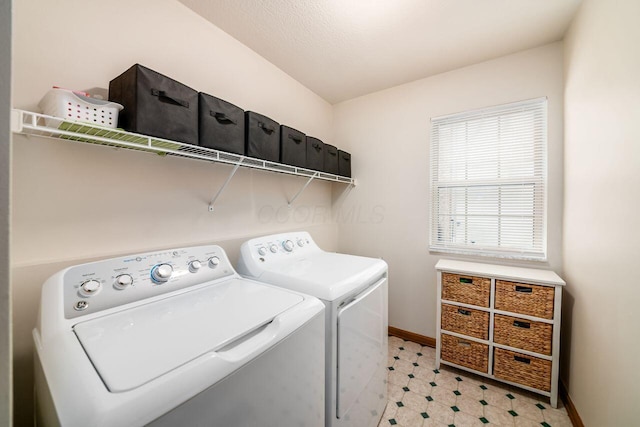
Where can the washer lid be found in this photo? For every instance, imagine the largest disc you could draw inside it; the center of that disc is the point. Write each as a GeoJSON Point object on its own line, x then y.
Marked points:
{"type": "Point", "coordinates": [135, 346]}
{"type": "Point", "coordinates": [325, 275]}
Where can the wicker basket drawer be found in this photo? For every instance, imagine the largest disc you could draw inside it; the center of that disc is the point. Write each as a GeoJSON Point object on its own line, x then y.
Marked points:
{"type": "Point", "coordinates": [524, 334]}
{"type": "Point", "coordinates": [466, 289]}
{"type": "Point", "coordinates": [463, 352]}
{"type": "Point", "coordinates": [534, 300]}
{"type": "Point", "coordinates": [465, 321]}
{"type": "Point", "coordinates": [522, 369]}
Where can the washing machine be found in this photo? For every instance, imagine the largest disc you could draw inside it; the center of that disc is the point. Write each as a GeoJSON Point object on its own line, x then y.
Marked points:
{"type": "Point", "coordinates": [354, 291]}
{"type": "Point", "coordinates": [176, 338]}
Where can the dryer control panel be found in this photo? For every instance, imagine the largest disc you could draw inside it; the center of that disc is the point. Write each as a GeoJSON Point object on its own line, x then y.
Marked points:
{"type": "Point", "coordinates": [105, 284]}
{"type": "Point", "coordinates": [281, 245]}
{"type": "Point", "coordinates": [266, 250]}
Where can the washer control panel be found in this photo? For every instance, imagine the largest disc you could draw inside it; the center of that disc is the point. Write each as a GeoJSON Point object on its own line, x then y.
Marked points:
{"type": "Point", "coordinates": [100, 285]}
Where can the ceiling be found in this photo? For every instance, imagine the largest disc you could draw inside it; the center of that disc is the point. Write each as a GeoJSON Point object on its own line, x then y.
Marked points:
{"type": "Point", "coordinates": [341, 49]}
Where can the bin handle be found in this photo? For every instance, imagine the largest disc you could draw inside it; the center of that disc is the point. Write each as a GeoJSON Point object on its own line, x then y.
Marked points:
{"type": "Point", "coordinates": [222, 117]}
{"type": "Point", "coordinates": [161, 94]}
{"type": "Point", "coordinates": [266, 128]}
{"type": "Point", "coordinates": [316, 146]}
{"type": "Point", "coordinates": [295, 139]}
{"type": "Point", "coordinates": [522, 359]}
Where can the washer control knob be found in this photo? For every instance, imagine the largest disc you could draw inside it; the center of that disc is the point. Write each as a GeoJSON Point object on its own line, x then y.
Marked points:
{"type": "Point", "coordinates": [194, 266]}
{"type": "Point", "coordinates": [122, 281]}
{"type": "Point", "coordinates": [273, 248]}
{"type": "Point", "coordinates": [214, 261]}
{"type": "Point", "coordinates": [161, 273]}
{"type": "Point", "coordinates": [287, 245]}
{"type": "Point", "coordinates": [262, 251]}
{"type": "Point", "coordinates": [90, 287]}
{"type": "Point", "coordinates": [300, 242]}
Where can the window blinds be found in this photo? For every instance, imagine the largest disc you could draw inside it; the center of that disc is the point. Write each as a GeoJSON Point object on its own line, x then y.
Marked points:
{"type": "Point", "coordinates": [488, 181]}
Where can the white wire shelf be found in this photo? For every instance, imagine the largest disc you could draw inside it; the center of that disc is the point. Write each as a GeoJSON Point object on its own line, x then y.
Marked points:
{"type": "Point", "coordinates": [29, 123]}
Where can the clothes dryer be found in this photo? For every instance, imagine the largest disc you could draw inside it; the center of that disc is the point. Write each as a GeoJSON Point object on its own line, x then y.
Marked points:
{"type": "Point", "coordinates": [354, 291]}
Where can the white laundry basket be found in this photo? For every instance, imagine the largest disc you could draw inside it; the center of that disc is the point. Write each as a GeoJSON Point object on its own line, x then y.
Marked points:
{"type": "Point", "coordinates": [72, 106]}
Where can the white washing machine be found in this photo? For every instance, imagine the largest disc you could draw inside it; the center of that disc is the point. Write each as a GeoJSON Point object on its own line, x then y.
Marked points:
{"type": "Point", "coordinates": [176, 338]}
{"type": "Point", "coordinates": [354, 290]}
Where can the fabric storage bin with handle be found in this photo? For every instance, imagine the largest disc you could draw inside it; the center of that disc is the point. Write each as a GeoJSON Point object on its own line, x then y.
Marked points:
{"type": "Point", "coordinates": [293, 147]}
{"type": "Point", "coordinates": [315, 154]}
{"type": "Point", "coordinates": [156, 105]}
{"type": "Point", "coordinates": [262, 137]}
{"type": "Point", "coordinates": [331, 159]}
{"type": "Point", "coordinates": [74, 106]}
{"type": "Point", "coordinates": [344, 163]}
{"type": "Point", "coordinates": [221, 124]}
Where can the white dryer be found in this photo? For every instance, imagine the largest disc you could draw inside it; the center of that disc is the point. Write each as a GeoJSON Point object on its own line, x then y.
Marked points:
{"type": "Point", "coordinates": [176, 338]}
{"type": "Point", "coordinates": [354, 290]}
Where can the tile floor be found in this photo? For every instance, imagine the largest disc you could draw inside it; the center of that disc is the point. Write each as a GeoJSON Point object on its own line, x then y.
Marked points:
{"type": "Point", "coordinates": [422, 396]}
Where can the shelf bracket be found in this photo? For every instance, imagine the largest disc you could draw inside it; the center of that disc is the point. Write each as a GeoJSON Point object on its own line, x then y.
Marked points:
{"type": "Point", "coordinates": [315, 174]}
{"type": "Point", "coordinates": [233, 172]}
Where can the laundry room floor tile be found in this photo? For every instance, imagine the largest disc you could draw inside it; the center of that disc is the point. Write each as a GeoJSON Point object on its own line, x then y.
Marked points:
{"type": "Point", "coordinates": [422, 396]}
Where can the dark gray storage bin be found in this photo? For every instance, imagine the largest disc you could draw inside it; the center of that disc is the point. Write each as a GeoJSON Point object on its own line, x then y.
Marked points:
{"type": "Point", "coordinates": [221, 124]}
{"type": "Point", "coordinates": [344, 163]}
{"type": "Point", "coordinates": [155, 105]}
{"type": "Point", "coordinates": [262, 137]}
{"type": "Point", "coordinates": [293, 147]}
{"type": "Point", "coordinates": [331, 159]}
{"type": "Point", "coordinates": [315, 154]}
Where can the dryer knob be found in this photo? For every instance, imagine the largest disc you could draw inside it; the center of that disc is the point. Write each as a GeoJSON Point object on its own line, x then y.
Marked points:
{"type": "Point", "coordinates": [300, 242]}
{"type": "Point", "coordinates": [214, 261]}
{"type": "Point", "coordinates": [90, 287]}
{"type": "Point", "coordinates": [161, 273]}
{"type": "Point", "coordinates": [122, 281]}
{"type": "Point", "coordinates": [273, 249]}
{"type": "Point", "coordinates": [262, 251]}
{"type": "Point", "coordinates": [287, 245]}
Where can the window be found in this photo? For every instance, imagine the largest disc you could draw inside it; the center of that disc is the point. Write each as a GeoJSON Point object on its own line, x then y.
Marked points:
{"type": "Point", "coordinates": [488, 181]}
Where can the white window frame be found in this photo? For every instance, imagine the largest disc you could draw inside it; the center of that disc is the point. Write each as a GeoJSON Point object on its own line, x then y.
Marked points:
{"type": "Point", "coordinates": [448, 242]}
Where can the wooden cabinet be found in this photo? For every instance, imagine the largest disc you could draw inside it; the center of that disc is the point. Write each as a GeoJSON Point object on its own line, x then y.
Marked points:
{"type": "Point", "coordinates": [500, 322]}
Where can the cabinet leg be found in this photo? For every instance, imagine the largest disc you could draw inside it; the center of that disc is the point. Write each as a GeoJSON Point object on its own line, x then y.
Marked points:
{"type": "Point", "coordinates": [554, 398]}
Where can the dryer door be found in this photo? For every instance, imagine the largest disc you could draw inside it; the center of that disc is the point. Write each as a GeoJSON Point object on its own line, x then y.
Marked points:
{"type": "Point", "coordinates": [361, 344]}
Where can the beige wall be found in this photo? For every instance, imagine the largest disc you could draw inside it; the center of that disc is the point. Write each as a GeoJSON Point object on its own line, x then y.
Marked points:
{"type": "Point", "coordinates": [388, 135]}
{"type": "Point", "coordinates": [601, 231]}
{"type": "Point", "coordinates": [74, 202]}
